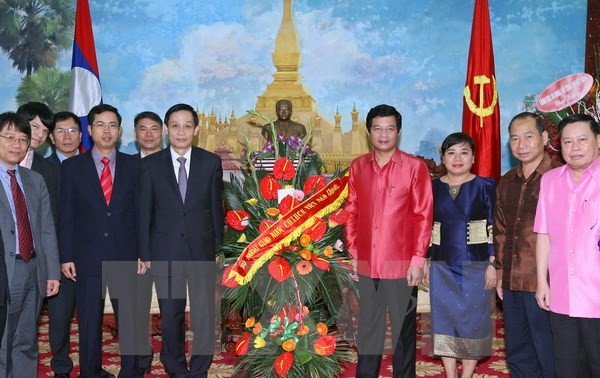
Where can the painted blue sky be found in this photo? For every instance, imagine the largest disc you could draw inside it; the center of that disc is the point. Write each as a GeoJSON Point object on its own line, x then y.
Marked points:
{"type": "Point", "coordinates": [410, 54]}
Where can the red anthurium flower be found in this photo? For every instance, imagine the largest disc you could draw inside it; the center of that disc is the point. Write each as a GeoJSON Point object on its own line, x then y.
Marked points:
{"type": "Point", "coordinates": [226, 281]}
{"type": "Point", "coordinates": [284, 168]}
{"type": "Point", "coordinates": [280, 269]}
{"type": "Point", "coordinates": [264, 224]}
{"type": "Point", "coordinates": [325, 345]}
{"type": "Point", "coordinates": [340, 216]}
{"type": "Point", "coordinates": [283, 363]}
{"type": "Point", "coordinates": [269, 187]}
{"type": "Point", "coordinates": [288, 203]}
{"type": "Point", "coordinates": [317, 230]}
{"type": "Point", "coordinates": [320, 262]}
{"type": "Point", "coordinates": [289, 311]}
{"type": "Point", "coordinates": [237, 219]}
{"type": "Point", "coordinates": [315, 182]}
{"type": "Point", "coordinates": [242, 345]}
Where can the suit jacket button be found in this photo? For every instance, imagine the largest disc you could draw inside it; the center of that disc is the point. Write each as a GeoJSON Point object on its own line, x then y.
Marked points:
{"type": "Point", "coordinates": [183, 235]}
{"type": "Point", "coordinates": [12, 254]}
{"type": "Point", "coordinates": [108, 214]}
{"type": "Point", "coordinates": [12, 232]}
{"type": "Point", "coordinates": [106, 234]}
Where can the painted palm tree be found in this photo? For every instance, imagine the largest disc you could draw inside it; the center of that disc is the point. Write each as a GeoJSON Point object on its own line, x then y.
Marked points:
{"type": "Point", "coordinates": [33, 32]}
{"type": "Point", "coordinates": [47, 85]}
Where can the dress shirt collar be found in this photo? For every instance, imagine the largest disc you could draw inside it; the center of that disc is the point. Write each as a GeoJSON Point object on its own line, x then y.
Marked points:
{"type": "Point", "coordinates": [544, 166]}
{"type": "Point", "coordinates": [97, 157]}
{"type": "Point", "coordinates": [62, 157]}
{"type": "Point", "coordinates": [28, 159]}
{"type": "Point", "coordinates": [5, 168]}
{"type": "Point", "coordinates": [593, 170]}
{"type": "Point", "coordinates": [396, 158]}
{"type": "Point", "coordinates": [175, 155]}
{"type": "Point", "coordinates": [187, 156]}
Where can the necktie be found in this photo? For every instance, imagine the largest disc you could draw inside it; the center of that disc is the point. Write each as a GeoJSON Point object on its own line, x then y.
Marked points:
{"type": "Point", "coordinates": [106, 180]}
{"type": "Point", "coordinates": [182, 177]}
{"type": "Point", "coordinates": [23, 226]}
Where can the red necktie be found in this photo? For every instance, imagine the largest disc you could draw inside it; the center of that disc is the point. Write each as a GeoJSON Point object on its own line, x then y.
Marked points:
{"type": "Point", "coordinates": [23, 226]}
{"type": "Point", "coordinates": [106, 180]}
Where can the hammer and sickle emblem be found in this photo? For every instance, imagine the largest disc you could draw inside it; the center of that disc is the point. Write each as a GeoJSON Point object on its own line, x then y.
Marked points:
{"type": "Point", "coordinates": [480, 110]}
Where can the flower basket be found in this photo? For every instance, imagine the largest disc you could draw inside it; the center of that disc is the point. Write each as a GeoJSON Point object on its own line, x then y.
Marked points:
{"type": "Point", "coordinates": [287, 268]}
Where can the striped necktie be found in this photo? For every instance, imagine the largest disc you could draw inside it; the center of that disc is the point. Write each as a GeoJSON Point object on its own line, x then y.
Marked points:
{"type": "Point", "coordinates": [106, 180]}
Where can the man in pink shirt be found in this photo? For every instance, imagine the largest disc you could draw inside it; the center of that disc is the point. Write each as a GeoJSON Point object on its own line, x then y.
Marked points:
{"type": "Point", "coordinates": [388, 233]}
{"type": "Point", "coordinates": [568, 226]}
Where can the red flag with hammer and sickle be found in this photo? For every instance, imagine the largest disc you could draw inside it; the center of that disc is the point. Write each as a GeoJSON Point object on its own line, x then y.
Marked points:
{"type": "Point", "coordinates": [481, 109]}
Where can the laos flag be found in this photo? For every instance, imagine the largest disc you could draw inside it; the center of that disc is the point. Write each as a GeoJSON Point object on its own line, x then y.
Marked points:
{"type": "Point", "coordinates": [85, 90]}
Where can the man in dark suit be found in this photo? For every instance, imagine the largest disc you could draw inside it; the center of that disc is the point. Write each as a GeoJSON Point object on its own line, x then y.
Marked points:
{"type": "Point", "coordinates": [98, 246]}
{"type": "Point", "coordinates": [181, 223]}
{"type": "Point", "coordinates": [66, 138]}
{"type": "Point", "coordinates": [30, 250]}
{"type": "Point", "coordinates": [41, 121]}
{"type": "Point", "coordinates": [148, 135]}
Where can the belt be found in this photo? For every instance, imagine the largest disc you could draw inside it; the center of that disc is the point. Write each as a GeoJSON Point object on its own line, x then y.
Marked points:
{"type": "Point", "coordinates": [19, 257]}
{"type": "Point", "coordinates": [478, 232]}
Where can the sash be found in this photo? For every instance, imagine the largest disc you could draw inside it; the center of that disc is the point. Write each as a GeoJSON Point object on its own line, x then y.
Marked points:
{"type": "Point", "coordinates": [287, 229]}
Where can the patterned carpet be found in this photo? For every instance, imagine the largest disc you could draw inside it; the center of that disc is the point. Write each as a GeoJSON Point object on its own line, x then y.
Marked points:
{"type": "Point", "coordinates": [427, 366]}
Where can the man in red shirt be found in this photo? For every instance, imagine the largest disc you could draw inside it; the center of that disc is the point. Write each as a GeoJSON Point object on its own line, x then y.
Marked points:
{"type": "Point", "coordinates": [388, 233]}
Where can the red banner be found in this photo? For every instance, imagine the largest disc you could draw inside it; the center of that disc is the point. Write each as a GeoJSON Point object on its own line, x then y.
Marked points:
{"type": "Point", "coordinates": [481, 108]}
{"type": "Point", "coordinates": [288, 228]}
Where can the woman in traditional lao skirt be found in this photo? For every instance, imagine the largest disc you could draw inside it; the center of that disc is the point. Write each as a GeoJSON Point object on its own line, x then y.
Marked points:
{"type": "Point", "coordinates": [462, 271]}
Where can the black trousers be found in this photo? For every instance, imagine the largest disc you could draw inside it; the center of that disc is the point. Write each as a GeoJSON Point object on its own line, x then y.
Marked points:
{"type": "Point", "coordinates": [378, 298]}
{"type": "Point", "coordinates": [172, 278]}
{"type": "Point", "coordinates": [528, 336]}
{"type": "Point", "coordinates": [144, 300]}
{"type": "Point", "coordinates": [576, 346]}
{"type": "Point", "coordinates": [90, 292]}
{"type": "Point", "coordinates": [60, 313]}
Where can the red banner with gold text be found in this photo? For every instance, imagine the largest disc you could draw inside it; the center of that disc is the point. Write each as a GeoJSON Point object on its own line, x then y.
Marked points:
{"type": "Point", "coordinates": [288, 228]}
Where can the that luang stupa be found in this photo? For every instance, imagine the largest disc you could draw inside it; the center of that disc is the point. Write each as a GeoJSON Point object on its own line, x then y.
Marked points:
{"type": "Point", "coordinates": [336, 147]}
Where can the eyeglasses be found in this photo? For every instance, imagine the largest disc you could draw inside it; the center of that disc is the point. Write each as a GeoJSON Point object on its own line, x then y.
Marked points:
{"type": "Point", "coordinates": [70, 131]}
{"type": "Point", "coordinates": [23, 141]}
{"type": "Point", "coordinates": [111, 126]}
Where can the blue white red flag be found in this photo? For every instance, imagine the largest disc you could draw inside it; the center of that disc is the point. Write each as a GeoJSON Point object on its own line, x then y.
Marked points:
{"type": "Point", "coordinates": [85, 79]}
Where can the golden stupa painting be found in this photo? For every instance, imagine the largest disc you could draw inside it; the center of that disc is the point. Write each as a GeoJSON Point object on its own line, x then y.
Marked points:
{"type": "Point", "coordinates": [336, 147]}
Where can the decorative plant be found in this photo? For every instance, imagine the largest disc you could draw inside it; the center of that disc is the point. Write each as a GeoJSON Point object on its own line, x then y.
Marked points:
{"type": "Point", "coordinates": [287, 270]}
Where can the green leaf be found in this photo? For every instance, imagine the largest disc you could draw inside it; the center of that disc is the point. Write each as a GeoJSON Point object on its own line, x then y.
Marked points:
{"type": "Point", "coordinates": [302, 356]}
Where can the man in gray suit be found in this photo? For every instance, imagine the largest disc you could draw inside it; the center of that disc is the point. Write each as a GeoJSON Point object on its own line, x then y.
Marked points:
{"type": "Point", "coordinates": [30, 248]}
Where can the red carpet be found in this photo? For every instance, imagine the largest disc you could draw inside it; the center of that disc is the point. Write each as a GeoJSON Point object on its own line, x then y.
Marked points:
{"type": "Point", "coordinates": [495, 366]}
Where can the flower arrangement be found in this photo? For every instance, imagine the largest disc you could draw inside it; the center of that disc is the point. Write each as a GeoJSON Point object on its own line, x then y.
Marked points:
{"type": "Point", "coordinates": [287, 268]}
{"type": "Point", "coordinates": [588, 104]}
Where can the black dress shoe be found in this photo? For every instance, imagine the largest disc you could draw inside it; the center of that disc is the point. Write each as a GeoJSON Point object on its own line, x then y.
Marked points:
{"type": "Point", "coordinates": [61, 375]}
